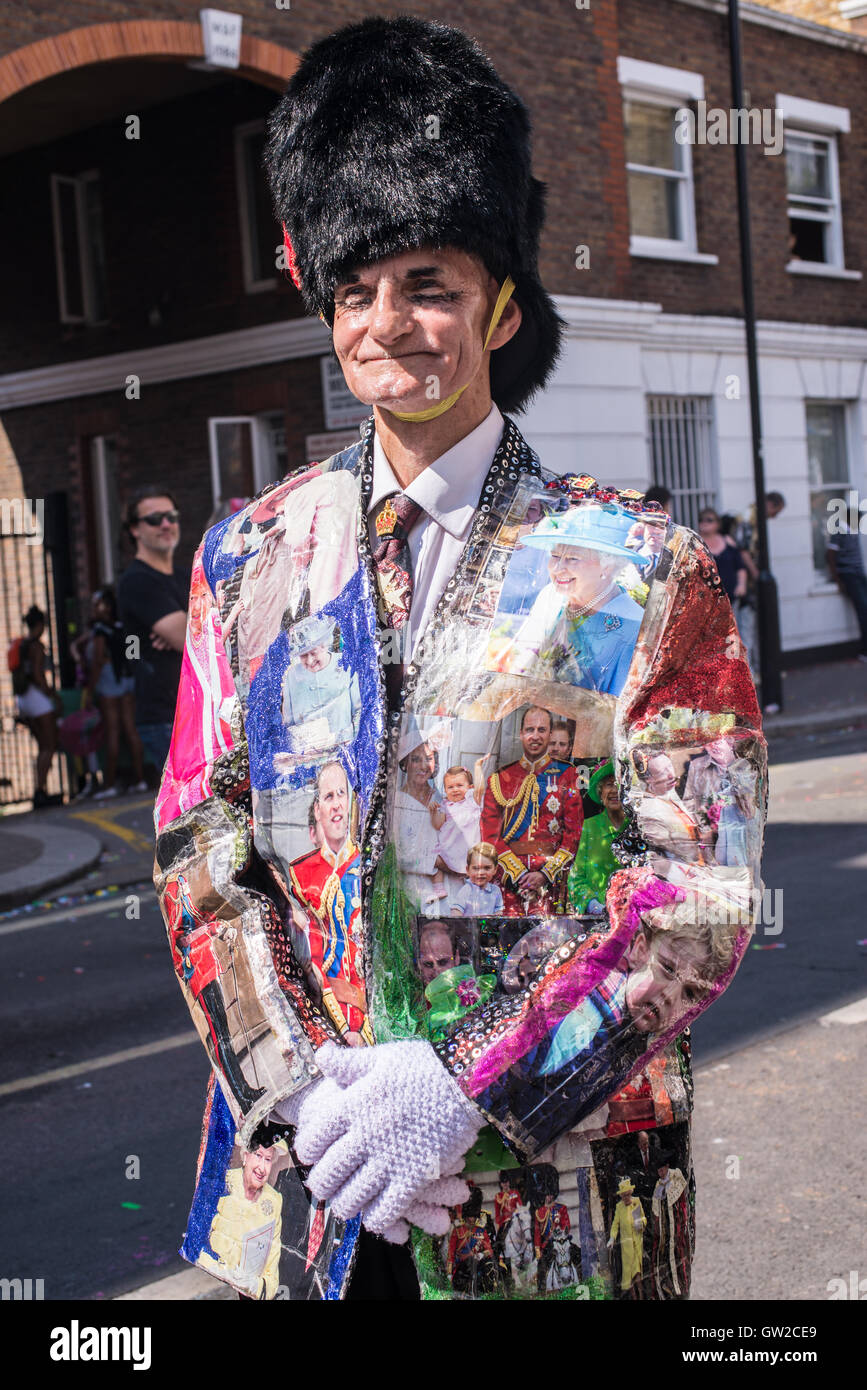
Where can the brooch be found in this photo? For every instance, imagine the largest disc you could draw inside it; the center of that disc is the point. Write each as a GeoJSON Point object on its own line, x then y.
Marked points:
{"type": "Point", "coordinates": [612, 622]}
{"type": "Point", "coordinates": [386, 519]}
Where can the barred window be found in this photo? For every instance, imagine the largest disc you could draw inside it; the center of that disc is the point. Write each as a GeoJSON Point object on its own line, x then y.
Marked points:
{"type": "Point", "coordinates": [682, 451]}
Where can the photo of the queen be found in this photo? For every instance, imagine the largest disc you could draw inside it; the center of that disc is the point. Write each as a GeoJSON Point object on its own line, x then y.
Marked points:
{"type": "Point", "coordinates": [583, 625]}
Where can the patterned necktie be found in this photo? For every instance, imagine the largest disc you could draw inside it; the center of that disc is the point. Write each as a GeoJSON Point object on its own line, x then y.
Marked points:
{"type": "Point", "coordinates": [392, 525]}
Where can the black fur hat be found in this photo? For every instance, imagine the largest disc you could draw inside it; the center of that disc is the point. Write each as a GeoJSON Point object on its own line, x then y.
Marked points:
{"type": "Point", "coordinates": [399, 133]}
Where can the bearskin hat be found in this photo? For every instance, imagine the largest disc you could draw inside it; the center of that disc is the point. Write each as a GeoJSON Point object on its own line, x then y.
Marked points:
{"type": "Point", "coordinates": [399, 133]}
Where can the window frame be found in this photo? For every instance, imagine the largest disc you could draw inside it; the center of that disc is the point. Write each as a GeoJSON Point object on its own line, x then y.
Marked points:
{"type": "Point", "coordinates": [684, 429]}
{"type": "Point", "coordinates": [652, 84]}
{"type": "Point", "coordinates": [85, 260]}
{"type": "Point", "coordinates": [801, 205]}
{"type": "Point", "coordinates": [246, 200]}
{"type": "Point", "coordinates": [822, 582]}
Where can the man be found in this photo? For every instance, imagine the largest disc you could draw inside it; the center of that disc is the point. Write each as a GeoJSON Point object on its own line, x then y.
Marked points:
{"type": "Point", "coordinates": [326, 882]}
{"type": "Point", "coordinates": [152, 602]}
{"type": "Point", "coordinates": [744, 532]}
{"type": "Point", "coordinates": [663, 818]}
{"type": "Point", "coordinates": [532, 815]}
{"type": "Point", "coordinates": [436, 951]}
{"type": "Point", "coordinates": [421, 253]}
{"type": "Point", "coordinates": [846, 568]}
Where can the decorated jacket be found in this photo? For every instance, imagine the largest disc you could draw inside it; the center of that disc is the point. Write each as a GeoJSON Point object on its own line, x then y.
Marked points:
{"type": "Point", "coordinates": [284, 838]}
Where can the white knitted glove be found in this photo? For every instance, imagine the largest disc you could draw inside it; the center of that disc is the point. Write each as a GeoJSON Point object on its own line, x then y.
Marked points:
{"type": "Point", "coordinates": [386, 1130]}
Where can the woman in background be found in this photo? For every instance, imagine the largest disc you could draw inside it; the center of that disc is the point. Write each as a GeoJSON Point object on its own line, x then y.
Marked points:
{"type": "Point", "coordinates": [38, 705]}
{"type": "Point", "coordinates": [729, 561]}
{"type": "Point", "coordinates": [111, 684]}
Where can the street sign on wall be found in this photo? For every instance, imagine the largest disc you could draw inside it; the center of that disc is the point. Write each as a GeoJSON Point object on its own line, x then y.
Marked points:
{"type": "Point", "coordinates": [221, 38]}
{"type": "Point", "coordinates": [340, 407]}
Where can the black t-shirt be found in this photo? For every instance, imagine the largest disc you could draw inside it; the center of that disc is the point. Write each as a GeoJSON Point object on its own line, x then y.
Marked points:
{"type": "Point", "coordinates": [145, 595]}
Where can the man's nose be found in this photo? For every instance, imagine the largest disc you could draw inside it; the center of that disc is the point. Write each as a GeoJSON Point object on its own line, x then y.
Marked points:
{"type": "Point", "coordinates": [389, 315]}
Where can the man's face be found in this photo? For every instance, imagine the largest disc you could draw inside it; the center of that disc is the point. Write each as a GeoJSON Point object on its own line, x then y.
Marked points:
{"type": "Point", "coordinates": [660, 775]}
{"type": "Point", "coordinates": [721, 752]}
{"type": "Point", "coordinates": [332, 807]}
{"type": "Point", "coordinates": [435, 953]}
{"type": "Point", "coordinates": [316, 659]}
{"type": "Point", "coordinates": [257, 1168]}
{"type": "Point", "coordinates": [665, 979]}
{"type": "Point", "coordinates": [560, 745]}
{"type": "Point", "coordinates": [413, 317]}
{"type": "Point", "coordinates": [161, 538]}
{"type": "Point", "coordinates": [536, 733]}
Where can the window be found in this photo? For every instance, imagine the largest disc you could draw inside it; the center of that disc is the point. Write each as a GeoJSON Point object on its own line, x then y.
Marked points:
{"type": "Point", "coordinates": [828, 472]}
{"type": "Point", "coordinates": [813, 186]}
{"type": "Point", "coordinates": [681, 442]}
{"type": "Point", "coordinates": [260, 236]}
{"type": "Point", "coordinates": [109, 559]}
{"type": "Point", "coordinates": [658, 177]}
{"type": "Point", "coordinates": [658, 165]}
{"type": "Point", "coordinates": [815, 232]}
{"type": "Point", "coordinates": [79, 248]}
{"type": "Point", "coordinates": [247, 451]}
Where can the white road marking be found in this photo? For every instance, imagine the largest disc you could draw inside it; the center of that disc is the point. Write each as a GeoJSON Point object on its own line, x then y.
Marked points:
{"type": "Point", "coordinates": [58, 916]}
{"type": "Point", "coordinates": [183, 1287]}
{"type": "Point", "coordinates": [850, 1013]}
{"type": "Point", "coordinates": [113, 1059]}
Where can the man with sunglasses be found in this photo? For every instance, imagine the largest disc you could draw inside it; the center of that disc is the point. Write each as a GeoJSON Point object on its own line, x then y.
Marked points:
{"type": "Point", "coordinates": [152, 600]}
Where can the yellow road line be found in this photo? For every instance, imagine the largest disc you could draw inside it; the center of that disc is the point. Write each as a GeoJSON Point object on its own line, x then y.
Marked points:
{"type": "Point", "coordinates": [111, 827]}
{"type": "Point", "coordinates": [113, 1059]}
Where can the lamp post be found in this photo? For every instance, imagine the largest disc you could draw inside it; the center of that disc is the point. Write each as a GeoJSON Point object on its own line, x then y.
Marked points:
{"type": "Point", "coordinates": [768, 607]}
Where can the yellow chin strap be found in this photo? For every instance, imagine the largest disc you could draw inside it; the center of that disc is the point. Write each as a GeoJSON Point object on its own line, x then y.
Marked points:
{"type": "Point", "coordinates": [506, 292]}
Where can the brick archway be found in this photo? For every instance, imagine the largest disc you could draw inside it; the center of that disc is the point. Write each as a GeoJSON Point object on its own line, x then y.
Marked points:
{"type": "Point", "coordinates": [261, 61]}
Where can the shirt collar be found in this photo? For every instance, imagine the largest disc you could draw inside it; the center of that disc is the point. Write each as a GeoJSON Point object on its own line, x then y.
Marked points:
{"type": "Point", "coordinates": [448, 489]}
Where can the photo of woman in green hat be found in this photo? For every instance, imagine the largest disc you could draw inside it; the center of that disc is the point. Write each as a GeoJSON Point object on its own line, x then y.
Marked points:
{"type": "Point", "coordinates": [594, 862]}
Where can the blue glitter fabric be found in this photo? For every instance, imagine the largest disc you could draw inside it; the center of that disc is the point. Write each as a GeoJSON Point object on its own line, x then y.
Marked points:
{"type": "Point", "coordinates": [219, 1141]}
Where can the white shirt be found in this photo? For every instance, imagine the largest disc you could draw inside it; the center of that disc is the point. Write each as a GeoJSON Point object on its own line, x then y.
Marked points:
{"type": "Point", "coordinates": [448, 491]}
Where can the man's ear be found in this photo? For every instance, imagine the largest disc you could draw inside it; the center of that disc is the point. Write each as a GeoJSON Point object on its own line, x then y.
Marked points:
{"type": "Point", "coordinates": [638, 951]}
{"type": "Point", "coordinates": [510, 322]}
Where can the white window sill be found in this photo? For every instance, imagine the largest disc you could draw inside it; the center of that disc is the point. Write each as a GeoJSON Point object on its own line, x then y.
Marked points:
{"type": "Point", "coordinates": [832, 272]}
{"type": "Point", "coordinates": [665, 251]}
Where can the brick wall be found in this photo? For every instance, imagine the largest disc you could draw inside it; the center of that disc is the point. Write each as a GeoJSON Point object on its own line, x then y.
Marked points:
{"type": "Point", "coordinates": [681, 36]}
{"type": "Point", "coordinates": [171, 229]}
{"type": "Point", "coordinates": [162, 439]}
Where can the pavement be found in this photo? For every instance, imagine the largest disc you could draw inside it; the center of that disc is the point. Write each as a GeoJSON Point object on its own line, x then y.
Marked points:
{"type": "Point", "coordinates": [82, 849]}
{"type": "Point", "coordinates": [799, 1194]}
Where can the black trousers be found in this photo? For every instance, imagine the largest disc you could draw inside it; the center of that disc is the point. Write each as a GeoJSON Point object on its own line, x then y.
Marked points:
{"type": "Point", "coordinates": [382, 1271]}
